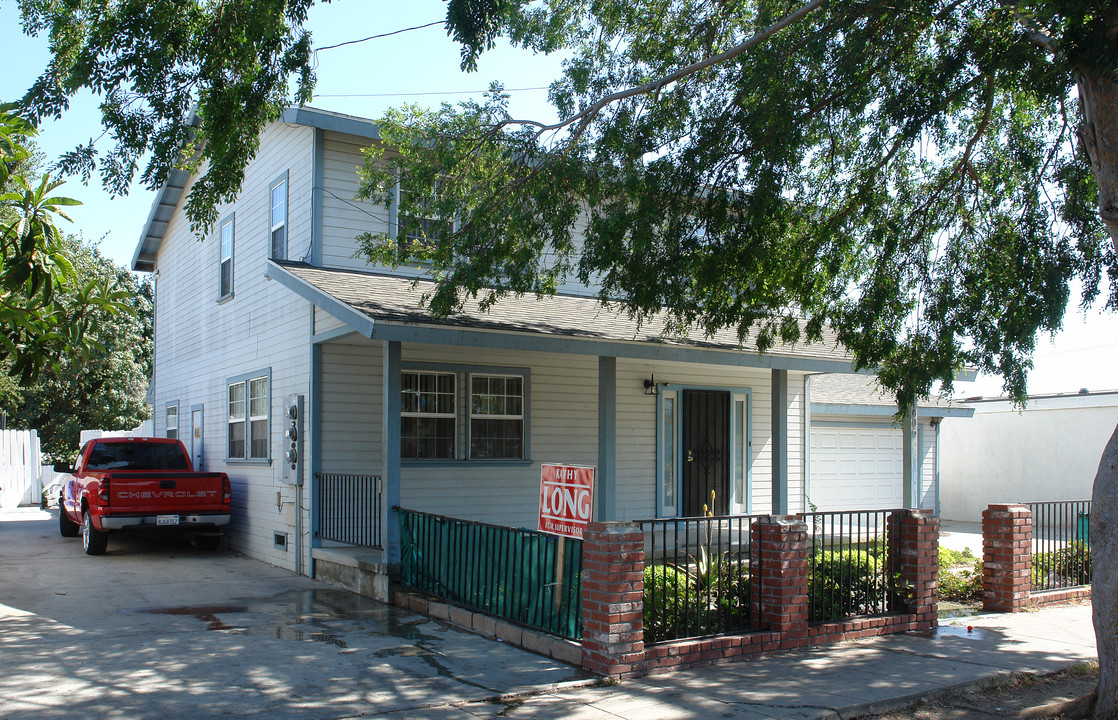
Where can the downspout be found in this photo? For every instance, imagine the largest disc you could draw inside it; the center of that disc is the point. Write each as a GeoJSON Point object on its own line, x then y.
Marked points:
{"type": "Point", "coordinates": [154, 335]}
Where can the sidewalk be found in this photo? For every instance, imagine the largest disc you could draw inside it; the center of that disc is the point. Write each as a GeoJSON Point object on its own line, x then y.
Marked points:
{"type": "Point", "coordinates": [839, 681]}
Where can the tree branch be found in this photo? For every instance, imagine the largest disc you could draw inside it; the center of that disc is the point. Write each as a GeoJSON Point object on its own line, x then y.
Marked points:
{"type": "Point", "coordinates": [586, 117]}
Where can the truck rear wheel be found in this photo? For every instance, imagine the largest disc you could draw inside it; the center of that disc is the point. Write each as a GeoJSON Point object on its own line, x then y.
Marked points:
{"type": "Point", "coordinates": [66, 526]}
{"type": "Point", "coordinates": [94, 541]}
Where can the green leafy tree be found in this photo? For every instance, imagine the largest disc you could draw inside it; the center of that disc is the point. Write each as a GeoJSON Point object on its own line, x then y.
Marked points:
{"type": "Point", "coordinates": [105, 388]}
{"type": "Point", "coordinates": [44, 311]}
{"type": "Point", "coordinates": [927, 178]}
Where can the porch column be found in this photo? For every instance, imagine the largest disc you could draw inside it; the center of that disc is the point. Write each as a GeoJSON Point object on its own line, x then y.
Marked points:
{"type": "Point", "coordinates": [780, 442]}
{"type": "Point", "coordinates": [607, 439]}
{"type": "Point", "coordinates": [911, 459]}
{"type": "Point", "coordinates": [390, 445]}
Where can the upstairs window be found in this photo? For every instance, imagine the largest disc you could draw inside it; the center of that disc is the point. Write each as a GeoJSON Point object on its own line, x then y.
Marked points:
{"type": "Point", "coordinates": [225, 231]}
{"type": "Point", "coordinates": [421, 226]}
{"type": "Point", "coordinates": [277, 217]}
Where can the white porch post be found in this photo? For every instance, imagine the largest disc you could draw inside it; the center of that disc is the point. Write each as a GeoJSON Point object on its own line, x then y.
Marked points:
{"type": "Point", "coordinates": [390, 428]}
{"type": "Point", "coordinates": [607, 439]}
{"type": "Point", "coordinates": [780, 442]}
{"type": "Point", "coordinates": [910, 459]}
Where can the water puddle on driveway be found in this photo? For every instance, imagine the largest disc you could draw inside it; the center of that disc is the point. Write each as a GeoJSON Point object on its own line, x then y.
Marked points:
{"type": "Point", "coordinates": [965, 631]}
{"type": "Point", "coordinates": [377, 636]}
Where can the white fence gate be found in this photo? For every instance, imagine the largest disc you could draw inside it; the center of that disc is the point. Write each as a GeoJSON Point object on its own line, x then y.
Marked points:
{"type": "Point", "coordinates": [20, 468]}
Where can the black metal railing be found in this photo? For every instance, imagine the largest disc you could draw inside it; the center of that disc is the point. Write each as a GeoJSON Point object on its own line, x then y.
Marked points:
{"type": "Point", "coordinates": [696, 577]}
{"type": "Point", "coordinates": [349, 508]}
{"type": "Point", "coordinates": [524, 576]}
{"type": "Point", "coordinates": [1061, 544]}
{"type": "Point", "coordinates": [848, 565]}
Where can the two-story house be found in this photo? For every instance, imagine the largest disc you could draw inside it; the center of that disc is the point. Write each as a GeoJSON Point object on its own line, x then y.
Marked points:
{"type": "Point", "coordinates": [453, 415]}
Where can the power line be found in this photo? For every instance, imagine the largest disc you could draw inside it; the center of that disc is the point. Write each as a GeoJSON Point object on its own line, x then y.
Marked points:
{"type": "Point", "coordinates": [375, 37]}
{"type": "Point", "coordinates": [412, 94]}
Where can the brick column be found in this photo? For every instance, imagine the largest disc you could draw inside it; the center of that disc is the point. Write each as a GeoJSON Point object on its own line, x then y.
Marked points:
{"type": "Point", "coordinates": [778, 575]}
{"type": "Point", "coordinates": [914, 556]}
{"type": "Point", "coordinates": [613, 599]}
{"type": "Point", "coordinates": [1007, 557]}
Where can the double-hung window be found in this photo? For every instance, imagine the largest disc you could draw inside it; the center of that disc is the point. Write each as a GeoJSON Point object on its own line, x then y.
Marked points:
{"type": "Point", "coordinates": [225, 231]}
{"type": "Point", "coordinates": [248, 405]}
{"type": "Point", "coordinates": [277, 217]}
{"type": "Point", "coordinates": [496, 417]}
{"type": "Point", "coordinates": [464, 414]}
{"type": "Point", "coordinates": [173, 420]}
{"type": "Point", "coordinates": [427, 415]}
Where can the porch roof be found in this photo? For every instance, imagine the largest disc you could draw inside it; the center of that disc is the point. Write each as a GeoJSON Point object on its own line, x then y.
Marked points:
{"type": "Point", "coordinates": [388, 307]}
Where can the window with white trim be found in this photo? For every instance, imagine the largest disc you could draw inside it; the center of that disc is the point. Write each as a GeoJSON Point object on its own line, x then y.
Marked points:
{"type": "Point", "coordinates": [496, 417]}
{"type": "Point", "coordinates": [464, 414]}
{"type": "Point", "coordinates": [247, 430]}
{"type": "Point", "coordinates": [277, 217]}
{"type": "Point", "coordinates": [428, 415]}
{"type": "Point", "coordinates": [225, 232]}
{"type": "Point", "coordinates": [173, 421]}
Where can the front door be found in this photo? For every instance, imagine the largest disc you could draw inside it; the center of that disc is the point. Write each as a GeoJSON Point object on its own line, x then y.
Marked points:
{"type": "Point", "coordinates": [196, 439]}
{"type": "Point", "coordinates": [706, 451]}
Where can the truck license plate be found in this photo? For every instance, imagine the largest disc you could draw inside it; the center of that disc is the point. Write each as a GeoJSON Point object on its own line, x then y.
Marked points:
{"type": "Point", "coordinates": [166, 519]}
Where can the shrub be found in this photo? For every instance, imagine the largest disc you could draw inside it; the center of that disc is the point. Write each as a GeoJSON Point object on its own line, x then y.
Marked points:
{"type": "Point", "coordinates": [845, 583]}
{"type": "Point", "coordinates": [1066, 567]}
{"type": "Point", "coordinates": [665, 597]}
{"type": "Point", "coordinates": [960, 585]}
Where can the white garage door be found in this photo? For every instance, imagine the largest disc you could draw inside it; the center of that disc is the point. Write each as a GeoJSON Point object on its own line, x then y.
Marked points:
{"type": "Point", "coordinates": [856, 468]}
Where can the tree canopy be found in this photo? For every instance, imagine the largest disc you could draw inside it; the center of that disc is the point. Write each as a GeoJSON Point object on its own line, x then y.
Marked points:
{"type": "Point", "coordinates": [104, 388]}
{"type": "Point", "coordinates": [911, 174]}
{"type": "Point", "coordinates": [45, 309]}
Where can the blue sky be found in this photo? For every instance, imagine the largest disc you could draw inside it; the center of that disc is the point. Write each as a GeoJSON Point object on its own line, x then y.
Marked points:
{"type": "Point", "coordinates": [422, 67]}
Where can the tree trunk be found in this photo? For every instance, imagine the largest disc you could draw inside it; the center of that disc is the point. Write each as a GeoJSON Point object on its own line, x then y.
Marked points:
{"type": "Point", "coordinates": [1098, 95]}
{"type": "Point", "coordinates": [1104, 580]}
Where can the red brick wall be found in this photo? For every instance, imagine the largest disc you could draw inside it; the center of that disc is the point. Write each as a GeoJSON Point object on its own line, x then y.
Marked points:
{"type": "Point", "coordinates": [1007, 534]}
{"type": "Point", "coordinates": [613, 599]}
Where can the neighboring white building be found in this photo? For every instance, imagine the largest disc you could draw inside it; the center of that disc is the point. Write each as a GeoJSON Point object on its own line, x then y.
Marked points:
{"type": "Point", "coordinates": [856, 451]}
{"type": "Point", "coordinates": [1048, 451]}
{"type": "Point", "coordinates": [272, 309]}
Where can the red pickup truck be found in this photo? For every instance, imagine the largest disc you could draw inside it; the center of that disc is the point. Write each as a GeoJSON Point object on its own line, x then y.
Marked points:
{"type": "Point", "coordinates": [142, 485]}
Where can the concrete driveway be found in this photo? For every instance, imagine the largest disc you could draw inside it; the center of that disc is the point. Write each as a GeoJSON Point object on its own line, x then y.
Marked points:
{"type": "Point", "coordinates": [157, 628]}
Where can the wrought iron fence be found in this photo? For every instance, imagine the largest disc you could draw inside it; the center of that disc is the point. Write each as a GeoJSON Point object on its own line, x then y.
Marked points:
{"type": "Point", "coordinates": [848, 565]}
{"type": "Point", "coordinates": [1061, 544]}
{"type": "Point", "coordinates": [349, 509]}
{"type": "Point", "coordinates": [525, 576]}
{"type": "Point", "coordinates": [696, 577]}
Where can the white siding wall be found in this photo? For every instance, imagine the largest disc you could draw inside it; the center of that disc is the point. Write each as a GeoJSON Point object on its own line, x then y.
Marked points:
{"type": "Point", "coordinates": [200, 342]}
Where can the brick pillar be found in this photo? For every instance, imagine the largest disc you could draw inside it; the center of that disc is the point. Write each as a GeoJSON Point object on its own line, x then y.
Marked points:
{"type": "Point", "coordinates": [1007, 557]}
{"type": "Point", "coordinates": [914, 555]}
{"type": "Point", "coordinates": [778, 575]}
{"type": "Point", "coordinates": [613, 599]}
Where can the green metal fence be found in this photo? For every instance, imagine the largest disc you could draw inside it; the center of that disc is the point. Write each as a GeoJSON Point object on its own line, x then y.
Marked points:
{"type": "Point", "coordinates": [523, 576]}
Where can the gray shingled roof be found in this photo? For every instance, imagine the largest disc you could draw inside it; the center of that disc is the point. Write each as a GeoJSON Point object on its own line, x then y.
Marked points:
{"type": "Point", "coordinates": [390, 299]}
{"type": "Point", "coordinates": [830, 391]}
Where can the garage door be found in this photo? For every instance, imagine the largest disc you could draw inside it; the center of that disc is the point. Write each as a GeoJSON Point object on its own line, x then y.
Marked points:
{"type": "Point", "coordinates": [856, 468]}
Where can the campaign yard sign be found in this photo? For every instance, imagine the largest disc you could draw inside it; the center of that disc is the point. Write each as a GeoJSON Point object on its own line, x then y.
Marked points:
{"type": "Point", "coordinates": [566, 499]}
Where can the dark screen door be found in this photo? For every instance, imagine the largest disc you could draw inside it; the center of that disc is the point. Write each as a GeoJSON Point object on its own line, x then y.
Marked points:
{"type": "Point", "coordinates": [706, 451]}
